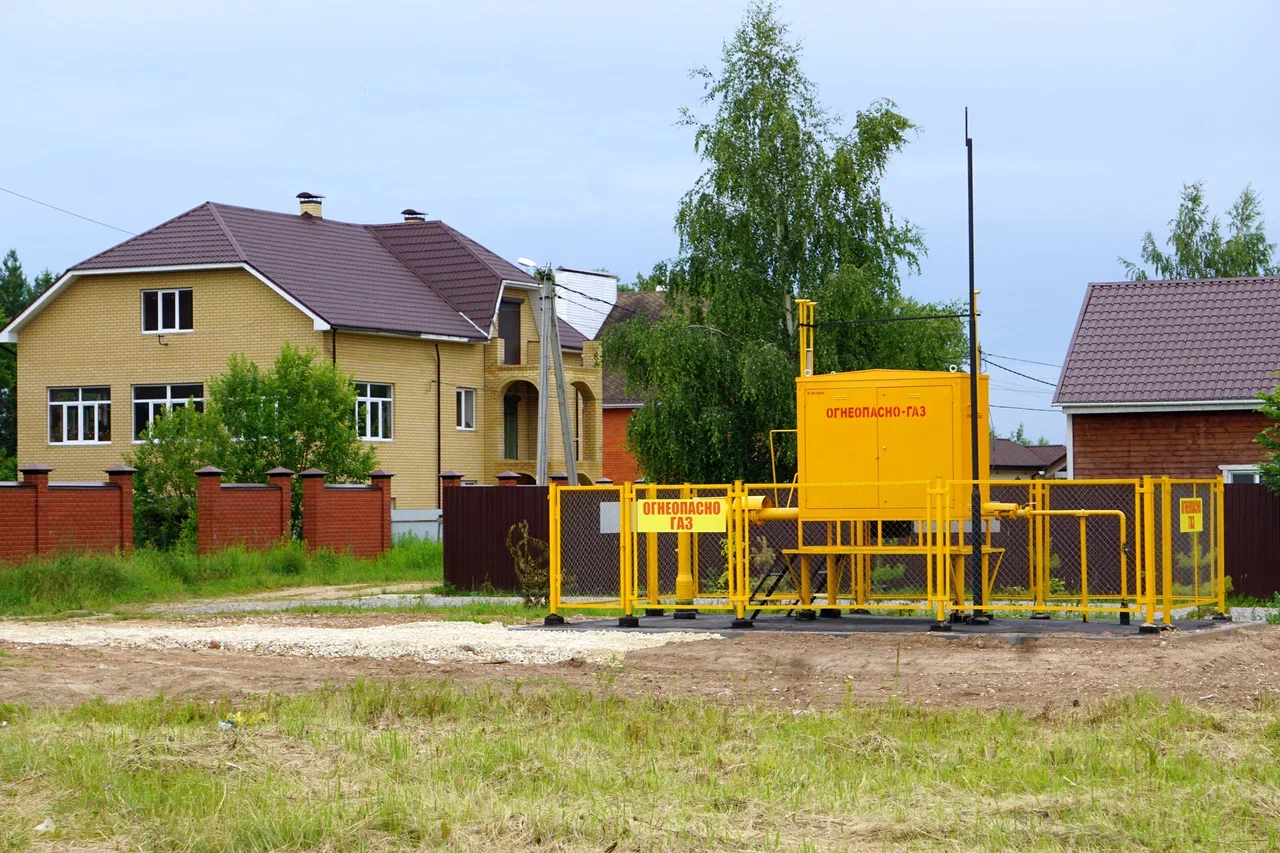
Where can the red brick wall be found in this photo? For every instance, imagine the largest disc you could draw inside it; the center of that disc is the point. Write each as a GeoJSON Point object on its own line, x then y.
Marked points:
{"type": "Point", "coordinates": [1177, 444]}
{"type": "Point", "coordinates": [619, 464]}
{"type": "Point", "coordinates": [252, 515]}
{"type": "Point", "coordinates": [39, 517]}
{"type": "Point", "coordinates": [354, 518]}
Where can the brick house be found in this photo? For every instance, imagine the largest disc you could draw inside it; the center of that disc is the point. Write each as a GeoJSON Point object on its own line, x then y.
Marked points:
{"type": "Point", "coordinates": [1013, 461]}
{"type": "Point", "coordinates": [1162, 377]}
{"type": "Point", "coordinates": [617, 407]}
{"type": "Point", "coordinates": [439, 333]}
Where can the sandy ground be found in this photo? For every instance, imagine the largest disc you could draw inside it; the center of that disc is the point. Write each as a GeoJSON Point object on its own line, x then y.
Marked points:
{"type": "Point", "coordinates": [1232, 668]}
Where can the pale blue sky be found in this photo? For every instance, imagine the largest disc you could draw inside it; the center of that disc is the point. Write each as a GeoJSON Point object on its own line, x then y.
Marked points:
{"type": "Point", "coordinates": [548, 129]}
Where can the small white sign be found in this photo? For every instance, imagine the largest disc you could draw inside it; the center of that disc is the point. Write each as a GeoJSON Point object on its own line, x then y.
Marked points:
{"type": "Point", "coordinates": [610, 517]}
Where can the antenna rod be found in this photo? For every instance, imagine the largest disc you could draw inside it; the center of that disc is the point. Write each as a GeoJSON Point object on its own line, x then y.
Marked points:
{"type": "Point", "coordinates": [974, 580]}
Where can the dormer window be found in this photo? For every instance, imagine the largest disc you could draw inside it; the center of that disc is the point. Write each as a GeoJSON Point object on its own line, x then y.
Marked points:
{"type": "Point", "coordinates": [167, 311]}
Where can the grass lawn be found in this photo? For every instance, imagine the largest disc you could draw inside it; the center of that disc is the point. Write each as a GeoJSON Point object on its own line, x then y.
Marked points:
{"type": "Point", "coordinates": [379, 766]}
{"type": "Point", "coordinates": [73, 582]}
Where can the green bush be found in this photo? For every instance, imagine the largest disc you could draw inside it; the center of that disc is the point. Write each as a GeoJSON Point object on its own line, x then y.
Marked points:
{"type": "Point", "coordinates": [883, 576]}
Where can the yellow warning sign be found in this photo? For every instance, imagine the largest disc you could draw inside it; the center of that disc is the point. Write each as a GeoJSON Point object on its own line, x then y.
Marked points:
{"type": "Point", "coordinates": [686, 515]}
{"type": "Point", "coordinates": [1191, 514]}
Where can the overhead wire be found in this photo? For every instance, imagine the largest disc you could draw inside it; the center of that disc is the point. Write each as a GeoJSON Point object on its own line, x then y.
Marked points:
{"type": "Point", "coordinates": [69, 212]}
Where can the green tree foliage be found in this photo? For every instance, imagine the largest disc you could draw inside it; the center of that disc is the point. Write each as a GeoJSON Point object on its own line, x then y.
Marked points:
{"type": "Point", "coordinates": [298, 414]}
{"type": "Point", "coordinates": [15, 290]}
{"type": "Point", "coordinates": [789, 207]}
{"type": "Point", "coordinates": [1198, 248]}
{"type": "Point", "coordinates": [175, 444]}
{"type": "Point", "coordinates": [15, 293]}
{"type": "Point", "coordinates": [1269, 471]}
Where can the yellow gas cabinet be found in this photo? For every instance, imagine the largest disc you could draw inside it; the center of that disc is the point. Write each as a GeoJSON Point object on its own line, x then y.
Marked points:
{"type": "Point", "coordinates": [877, 436]}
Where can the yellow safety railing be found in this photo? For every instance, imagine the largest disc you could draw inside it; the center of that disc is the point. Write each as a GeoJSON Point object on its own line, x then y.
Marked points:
{"type": "Point", "coordinates": [1092, 547]}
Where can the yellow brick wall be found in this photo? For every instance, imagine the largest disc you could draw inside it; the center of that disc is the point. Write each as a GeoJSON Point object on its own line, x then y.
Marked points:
{"type": "Point", "coordinates": [92, 335]}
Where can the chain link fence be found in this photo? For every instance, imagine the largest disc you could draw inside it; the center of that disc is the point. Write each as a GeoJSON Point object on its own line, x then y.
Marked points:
{"type": "Point", "coordinates": [1068, 546]}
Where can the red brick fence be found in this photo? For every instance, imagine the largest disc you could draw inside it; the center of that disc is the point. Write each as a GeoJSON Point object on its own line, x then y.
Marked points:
{"type": "Point", "coordinates": [341, 517]}
{"type": "Point", "coordinates": [40, 517]}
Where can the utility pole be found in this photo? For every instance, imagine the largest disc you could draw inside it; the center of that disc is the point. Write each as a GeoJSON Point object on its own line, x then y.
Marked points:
{"type": "Point", "coordinates": [974, 572]}
{"type": "Point", "coordinates": [551, 354]}
{"type": "Point", "coordinates": [546, 299]}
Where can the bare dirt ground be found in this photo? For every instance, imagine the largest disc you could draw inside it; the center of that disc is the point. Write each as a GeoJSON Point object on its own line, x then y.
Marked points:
{"type": "Point", "coordinates": [1230, 668]}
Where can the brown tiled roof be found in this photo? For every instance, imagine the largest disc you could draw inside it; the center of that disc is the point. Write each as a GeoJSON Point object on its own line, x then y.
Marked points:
{"type": "Point", "coordinates": [629, 304]}
{"type": "Point", "coordinates": [1173, 341]}
{"type": "Point", "coordinates": [412, 277]}
{"type": "Point", "coordinates": [458, 267]}
{"type": "Point", "coordinates": [1010, 454]}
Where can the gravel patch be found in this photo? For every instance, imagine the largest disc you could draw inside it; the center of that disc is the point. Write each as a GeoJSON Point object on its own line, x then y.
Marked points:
{"type": "Point", "coordinates": [430, 641]}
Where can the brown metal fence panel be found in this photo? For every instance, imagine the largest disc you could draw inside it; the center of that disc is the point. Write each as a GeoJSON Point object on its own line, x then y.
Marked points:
{"type": "Point", "coordinates": [476, 521]}
{"type": "Point", "coordinates": [1252, 532]}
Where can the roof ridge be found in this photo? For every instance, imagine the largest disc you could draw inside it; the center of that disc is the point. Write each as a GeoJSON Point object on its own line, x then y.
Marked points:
{"type": "Point", "coordinates": [139, 234]}
{"type": "Point", "coordinates": [465, 242]}
{"type": "Point", "coordinates": [235, 244]}
{"type": "Point", "coordinates": [1214, 279]}
{"type": "Point", "coordinates": [373, 230]}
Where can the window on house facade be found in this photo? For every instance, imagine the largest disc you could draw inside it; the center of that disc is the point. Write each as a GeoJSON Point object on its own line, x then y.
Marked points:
{"type": "Point", "coordinates": [166, 311]}
{"type": "Point", "coordinates": [466, 408]}
{"type": "Point", "coordinates": [80, 415]}
{"type": "Point", "coordinates": [511, 427]}
{"type": "Point", "coordinates": [373, 411]}
{"type": "Point", "coordinates": [1240, 473]}
{"type": "Point", "coordinates": [150, 400]}
{"type": "Point", "coordinates": [509, 330]}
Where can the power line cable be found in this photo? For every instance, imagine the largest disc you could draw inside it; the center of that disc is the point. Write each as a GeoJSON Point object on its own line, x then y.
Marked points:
{"type": "Point", "coordinates": [1023, 360]}
{"type": "Point", "coordinates": [1021, 408]}
{"type": "Point", "coordinates": [988, 360]}
{"type": "Point", "coordinates": [68, 212]}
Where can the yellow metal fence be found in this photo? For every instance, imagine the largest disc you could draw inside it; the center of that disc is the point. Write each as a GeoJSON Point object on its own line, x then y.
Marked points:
{"type": "Point", "coordinates": [1102, 548]}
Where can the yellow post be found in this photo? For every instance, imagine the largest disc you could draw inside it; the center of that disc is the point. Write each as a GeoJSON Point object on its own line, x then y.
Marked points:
{"type": "Point", "coordinates": [553, 545]}
{"type": "Point", "coordinates": [1166, 549]}
{"type": "Point", "coordinates": [1084, 568]}
{"type": "Point", "coordinates": [624, 547]}
{"type": "Point", "coordinates": [651, 558]}
{"type": "Point", "coordinates": [684, 573]}
{"type": "Point", "coordinates": [741, 550]}
{"type": "Point", "coordinates": [1149, 548]}
{"type": "Point", "coordinates": [1033, 547]}
{"type": "Point", "coordinates": [833, 579]}
{"type": "Point", "coordinates": [858, 528]}
{"type": "Point", "coordinates": [1219, 525]}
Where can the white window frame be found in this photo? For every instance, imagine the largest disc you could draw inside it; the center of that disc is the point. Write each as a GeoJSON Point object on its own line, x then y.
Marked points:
{"type": "Point", "coordinates": [460, 397]}
{"type": "Point", "coordinates": [164, 404]}
{"type": "Point", "coordinates": [1229, 470]}
{"type": "Point", "coordinates": [79, 404]}
{"type": "Point", "coordinates": [371, 402]}
{"type": "Point", "coordinates": [177, 312]}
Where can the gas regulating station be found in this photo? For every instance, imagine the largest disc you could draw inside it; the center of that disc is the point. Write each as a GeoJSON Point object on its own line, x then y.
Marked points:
{"type": "Point", "coordinates": [886, 515]}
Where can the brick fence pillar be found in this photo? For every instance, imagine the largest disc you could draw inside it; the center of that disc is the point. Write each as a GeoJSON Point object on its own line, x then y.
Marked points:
{"type": "Point", "coordinates": [312, 503]}
{"type": "Point", "coordinates": [508, 478]}
{"type": "Point", "coordinates": [382, 481]}
{"type": "Point", "coordinates": [282, 479]}
{"type": "Point", "coordinates": [121, 476]}
{"type": "Point", "coordinates": [208, 490]}
{"type": "Point", "coordinates": [37, 476]}
{"type": "Point", "coordinates": [451, 478]}
{"type": "Point", "coordinates": [560, 478]}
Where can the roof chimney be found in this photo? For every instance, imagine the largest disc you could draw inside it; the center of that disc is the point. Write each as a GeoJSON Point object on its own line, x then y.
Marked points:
{"type": "Point", "coordinates": [309, 204]}
{"type": "Point", "coordinates": [411, 215]}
